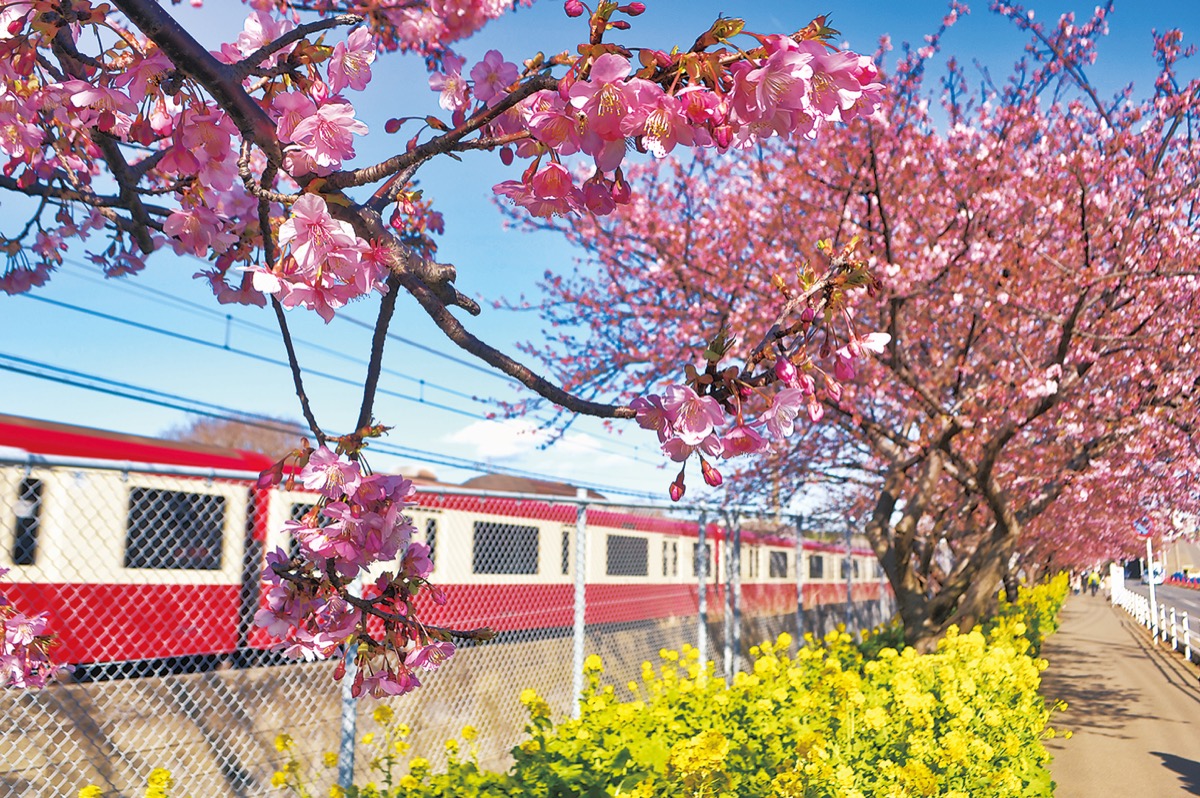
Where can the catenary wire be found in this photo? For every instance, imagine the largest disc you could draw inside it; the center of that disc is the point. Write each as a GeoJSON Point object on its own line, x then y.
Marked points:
{"type": "Point", "coordinates": [272, 332]}
{"type": "Point", "coordinates": [198, 407]}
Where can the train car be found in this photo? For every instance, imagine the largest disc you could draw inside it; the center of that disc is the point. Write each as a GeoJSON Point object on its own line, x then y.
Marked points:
{"type": "Point", "coordinates": [129, 563]}
{"type": "Point", "coordinates": [137, 564]}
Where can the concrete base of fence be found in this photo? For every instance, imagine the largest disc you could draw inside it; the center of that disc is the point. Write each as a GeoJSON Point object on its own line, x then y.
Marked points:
{"type": "Point", "coordinates": [215, 731]}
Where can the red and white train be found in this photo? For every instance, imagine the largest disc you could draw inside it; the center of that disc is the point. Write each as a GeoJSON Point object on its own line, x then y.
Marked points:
{"type": "Point", "coordinates": [135, 563]}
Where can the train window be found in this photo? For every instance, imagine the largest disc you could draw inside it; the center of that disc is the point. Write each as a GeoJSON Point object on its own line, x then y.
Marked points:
{"type": "Point", "coordinates": [700, 555]}
{"type": "Point", "coordinates": [878, 570]}
{"type": "Point", "coordinates": [750, 562]}
{"type": "Point", "coordinates": [666, 560]}
{"type": "Point", "coordinates": [856, 563]}
{"type": "Point", "coordinates": [674, 558]}
{"type": "Point", "coordinates": [28, 510]}
{"type": "Point", "coordinates": [172, 529]}
{"type": "Point", "coordinates": [627, 556]}
{"type": "Point", "coordinates": [566, 552]}
{"type": "Point", "coordinates": [816, 566]}
{"type": "Point", "coordinates": [777, 566]}
{"type": "Point", "coordinates": [431, 531]}
{"type": "Point", "coordinates": [505, 549]}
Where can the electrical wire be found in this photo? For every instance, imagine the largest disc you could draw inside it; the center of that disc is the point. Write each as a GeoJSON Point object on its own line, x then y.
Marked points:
{"type": "Point", "coordinates": [170, 401]}
{"type": "Point", "coordinates": [273, 333]}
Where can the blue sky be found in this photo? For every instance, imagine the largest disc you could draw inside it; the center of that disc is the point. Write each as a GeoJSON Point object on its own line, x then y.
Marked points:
{"type": "Point", "coordinates": [492, 262]}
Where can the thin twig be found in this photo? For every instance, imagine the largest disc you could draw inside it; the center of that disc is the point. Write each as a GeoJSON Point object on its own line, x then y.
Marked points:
{"type": "Point", "coordinates": [248, 64]}
{"type": "Point", "coordinates": [386, 308]}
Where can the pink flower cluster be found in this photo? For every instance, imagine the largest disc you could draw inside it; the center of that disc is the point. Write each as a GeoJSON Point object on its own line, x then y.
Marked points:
{"type": "Point", "coordinates": [326, 265]}
{"type": "Point", "coordinates": [359, 523]}
{"type": "Point", "coordinates": [790, 88]}
{"type": "Point", "coordinates": [24, 643]}
{"type": "Point", "coordinates": [688, 423]}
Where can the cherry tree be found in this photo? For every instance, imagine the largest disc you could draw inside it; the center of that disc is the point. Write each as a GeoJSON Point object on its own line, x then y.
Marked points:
{"type": "Point", "coordinates": [120, 128]}
{"type": "Point", "coordinates": [1033, 379]}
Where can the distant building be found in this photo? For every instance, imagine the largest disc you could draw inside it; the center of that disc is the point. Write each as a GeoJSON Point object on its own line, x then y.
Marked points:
{"type": "Point", "coordinates": [507, 484]}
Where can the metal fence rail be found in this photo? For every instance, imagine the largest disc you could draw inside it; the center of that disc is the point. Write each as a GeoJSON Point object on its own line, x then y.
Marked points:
{"type": "Point", "coordinates": [151, 578]}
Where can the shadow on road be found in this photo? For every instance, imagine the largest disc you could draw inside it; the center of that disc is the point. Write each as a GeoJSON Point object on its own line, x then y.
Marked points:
{"type": "Point", "coordinates": [1107, 707]}
{"type": "Point", "coordinates": [1188, 770]}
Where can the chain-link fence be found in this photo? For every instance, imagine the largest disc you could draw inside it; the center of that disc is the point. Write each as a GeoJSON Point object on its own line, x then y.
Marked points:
{"type": "Point", "coordinates": [151, 578]}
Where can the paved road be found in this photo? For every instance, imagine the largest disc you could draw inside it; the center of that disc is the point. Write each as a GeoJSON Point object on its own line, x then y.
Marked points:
{"type": "Point", "coordinates": [1181, 598]}
{"type": "Point", "coordinates": [1134, 710]}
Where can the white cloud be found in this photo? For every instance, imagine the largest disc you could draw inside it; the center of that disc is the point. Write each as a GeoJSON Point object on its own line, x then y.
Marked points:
{"type": "Point", "coordinates": [499, 440]}
{"type": "Point", "coordinates": [520, 443]}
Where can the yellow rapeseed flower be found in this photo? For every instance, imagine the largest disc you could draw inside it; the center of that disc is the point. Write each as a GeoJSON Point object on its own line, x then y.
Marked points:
{"type": "Point", "coordinates": [158, 783]}
{"type": "Point", "coordinates": [331, 759]}
{"type": "Point", "coordinates": [469, 733]}
{"type": "Point", "coordinates": [383, 715]}
{"type": "Point", "coordinates": [91, 791]}
{"type": "Point", "coordinates": [284, 742]}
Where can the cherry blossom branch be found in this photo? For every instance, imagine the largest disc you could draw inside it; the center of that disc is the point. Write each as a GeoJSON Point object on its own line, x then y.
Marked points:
{"type": "Point", "coordinates": [439, 145]}
{"type": "Point", "coordinates": [368, 606]}
{"type": "Point", "coordinates": [458, 334]}
{"type": "Point", "coordinates": [297, 378]}
{"type": "Point", "coordinates": [194, 60]}
{"type": "Point", "coordinates": [387, 307]}
{"type": "Point", "coordinates": [243, 68]}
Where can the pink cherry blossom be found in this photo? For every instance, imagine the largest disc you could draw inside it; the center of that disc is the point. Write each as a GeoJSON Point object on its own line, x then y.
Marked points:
{"type": "Point", "coordinates": [327, 137]}
{"type": "Point", "coordinates": [780, 417]}
{"type": "Point", "coordinates": [429, 657]}
{"type": "Point", "coordinates": [692, 417]}
{"type": "Point", "coordinates": [492, 76]}
{"type": "Point", "coordinates": [312, 233]}
{"type": "Point", "coordinates": [350, 64]}
{"type": "Point", "coordinates": [450, 84]}
{"type": "Point", "coordinates": [330, 474]}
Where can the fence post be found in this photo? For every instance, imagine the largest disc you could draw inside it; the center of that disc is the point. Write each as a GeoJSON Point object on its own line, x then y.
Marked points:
{"type": "Point", "coordinates": [580, 595]}
{"type": "Point", "coordinates": [1174, 632]}
{"type": "Point", "coordinates": [349, 710]}
{"type": "Point", "coordinates": [700, 563]}
{"type": "Point", "coordinates": [1187, 638]}
{"type": "Point", "coordinates": [733, 593]}
{"type": "Point", "coordinates": [1162, 622]}
{"type": "Point", "coordinates": [800, 580]}
{"type": "Point", "coordinates": [849, 576]}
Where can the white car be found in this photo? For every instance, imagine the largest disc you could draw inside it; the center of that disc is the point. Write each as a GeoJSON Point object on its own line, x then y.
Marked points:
{"type": "Point", "coordinates": [1155, 573]}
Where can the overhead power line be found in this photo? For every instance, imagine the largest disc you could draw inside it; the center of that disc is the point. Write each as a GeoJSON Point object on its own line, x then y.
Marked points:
{"type": "Point", "coordinates": [118, 388]}
{"type": "Point", "coordinates": [272, 332]}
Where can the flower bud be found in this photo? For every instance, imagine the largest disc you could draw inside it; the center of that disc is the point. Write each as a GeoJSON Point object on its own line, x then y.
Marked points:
{"type": "Point", "coordinates": [785, 371]}
{"type": "Point", "coordinates": [711, 475]}
{"type": "Point", "coordinates": [677, 488]}
{"type": "Point", "coordinates": [574, 8]}
{"type": "Point", "coordinates": [621, 193]}
{"type": "Point", "coordinates": [634, 9]}
{"type": "Point", "coordinates": [619, 24]}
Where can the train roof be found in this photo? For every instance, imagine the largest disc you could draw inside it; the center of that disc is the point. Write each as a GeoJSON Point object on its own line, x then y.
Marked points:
{"type": "Point", "coordinates": [67, 440]}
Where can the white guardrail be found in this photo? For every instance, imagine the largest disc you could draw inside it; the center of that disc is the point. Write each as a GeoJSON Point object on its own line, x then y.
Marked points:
{"type": "Point", "coordinates": [1166, 625]}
